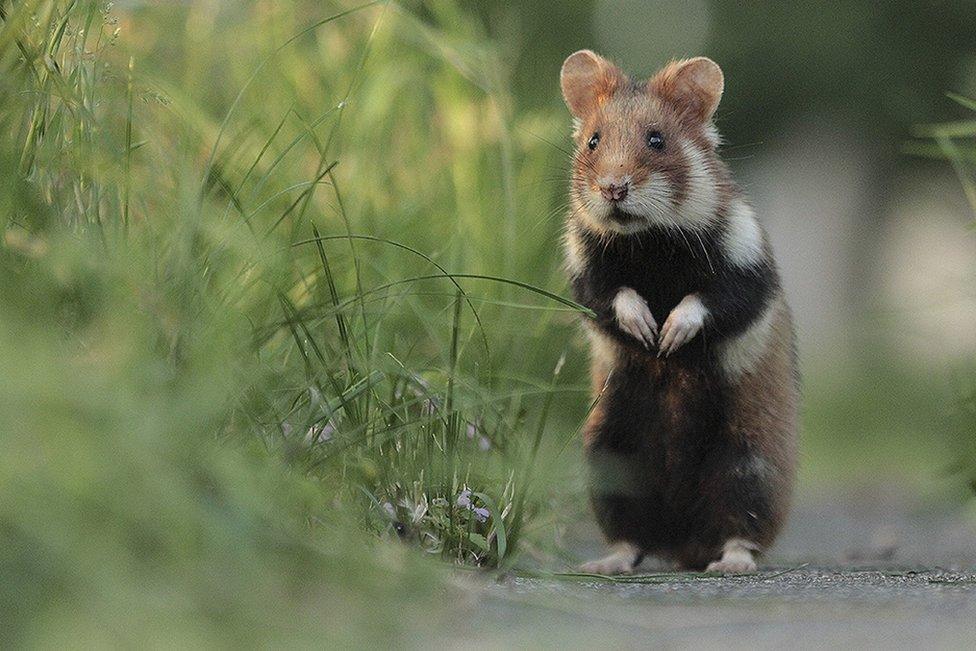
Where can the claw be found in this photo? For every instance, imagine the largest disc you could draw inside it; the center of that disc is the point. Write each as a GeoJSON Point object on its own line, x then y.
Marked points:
{"type": "Point", "coordinates": [681, 326]}
{"type": "Point", "coordinates": [634, 317]}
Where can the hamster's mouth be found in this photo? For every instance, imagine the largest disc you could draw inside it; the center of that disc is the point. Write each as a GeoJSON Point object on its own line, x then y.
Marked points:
{"type": "Point", "coordinates": [620, 217]}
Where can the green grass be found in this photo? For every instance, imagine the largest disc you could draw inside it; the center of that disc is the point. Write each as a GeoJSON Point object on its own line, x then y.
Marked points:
{"type": "Point", "coordinates": [260, 330]}
{"type": "Point", "coordinates": [281, 291]}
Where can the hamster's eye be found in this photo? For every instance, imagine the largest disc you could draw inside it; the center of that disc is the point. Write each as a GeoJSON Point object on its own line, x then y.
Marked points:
{"type": "Point", "coordinates": [594, 141]}
{"type": "Point", "coordinates": [655, 140]}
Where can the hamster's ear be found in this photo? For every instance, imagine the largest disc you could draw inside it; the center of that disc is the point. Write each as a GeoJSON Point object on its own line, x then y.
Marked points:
{"type": "Point", "coordinates": [588, 80]}
{"type": "Point", "coordinates": [694, 86]}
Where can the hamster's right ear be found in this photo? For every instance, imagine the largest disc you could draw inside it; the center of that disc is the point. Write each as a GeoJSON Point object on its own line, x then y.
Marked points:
{"type": "Point", "coordinates": [588, 80]}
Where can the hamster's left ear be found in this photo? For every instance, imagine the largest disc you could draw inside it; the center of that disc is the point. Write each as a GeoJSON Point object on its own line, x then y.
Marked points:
{"type": "Point", "coordinates": [588, 80]}
{"type": "Point", "coordinates": [694, 86]}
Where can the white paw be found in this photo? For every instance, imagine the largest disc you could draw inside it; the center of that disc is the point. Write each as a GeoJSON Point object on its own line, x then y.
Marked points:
{"type": "Point", "coordinates": [621, 560]}
{"type": "Point", "coordinates": [634, 317]}
{"type": "Point", "coordinates": [736, 558]}
{"type": "Point", "coordinates": [739, 566]}
{"type": "Point", "coordinates": [608, 566]}
{"type": "Point", "coordinates": [684, 322]}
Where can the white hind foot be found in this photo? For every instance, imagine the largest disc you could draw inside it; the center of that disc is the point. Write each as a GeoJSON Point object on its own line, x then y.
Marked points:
{"type": "Point", "coordinates": [622, 559]}
{"type": "Point", "coordinates": [737, 558]}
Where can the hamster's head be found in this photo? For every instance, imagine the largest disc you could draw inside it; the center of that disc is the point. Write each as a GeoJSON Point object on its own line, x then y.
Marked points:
{"type": "Point", "coordinates": [645, 150]}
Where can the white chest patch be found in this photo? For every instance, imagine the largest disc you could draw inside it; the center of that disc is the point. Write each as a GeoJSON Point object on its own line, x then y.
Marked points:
{"type": "Point", "coordinates": [742, 353]}
{"type": "Point", "coordinates": [743, 239]}
{"type": "Point", "coordinates": [701, 199]}
{"type": "Point", "coordinates": [654, 200]}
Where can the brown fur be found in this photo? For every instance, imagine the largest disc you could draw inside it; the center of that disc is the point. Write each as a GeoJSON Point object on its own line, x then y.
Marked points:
{"type": "Point", "coordinates": [764, 410]}
{"type": "Point", "coordinates": [589, 80]}
{"type": "Point", "coordinates": [602, 361]}
{"type": "Point", "coordinates": [692, 450]}
{"type": "Point", "coordinates": [763, 417]}
{"type": "Point", "coordinates": [695, 86]}
{"type": "Point", "coordinates": [678, 101]}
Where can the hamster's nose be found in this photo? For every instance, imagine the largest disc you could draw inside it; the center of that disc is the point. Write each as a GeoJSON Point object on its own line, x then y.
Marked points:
{"type": "Point", "coordinates": [614, 191]}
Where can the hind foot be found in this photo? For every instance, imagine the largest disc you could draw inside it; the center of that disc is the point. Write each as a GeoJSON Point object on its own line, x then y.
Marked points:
{"type": "Point", "coordinates": [737, 558]}
{"type": "Point", "coordinates": [623, 558]}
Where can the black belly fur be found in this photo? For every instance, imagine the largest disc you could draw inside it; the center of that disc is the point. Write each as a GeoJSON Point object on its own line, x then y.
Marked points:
{"type": "Point", "coordinates": [664, 469]}
{"type": "Point", "coordinates": [660, 439]}
{"type": "Point", "coordinates": [664, 266]}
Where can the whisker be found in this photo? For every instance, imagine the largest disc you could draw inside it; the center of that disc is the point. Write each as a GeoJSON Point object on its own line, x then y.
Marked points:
{"type": "Point", "coordinates": [707, 259]}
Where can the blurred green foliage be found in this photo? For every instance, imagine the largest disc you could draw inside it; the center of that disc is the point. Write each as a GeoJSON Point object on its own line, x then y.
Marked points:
{"type": "Point", "coordinates": [956, 143]}
{"type": "Point", "coordinates": [878, 65]}
{"type": "Point", "coordinates": [221, 371]}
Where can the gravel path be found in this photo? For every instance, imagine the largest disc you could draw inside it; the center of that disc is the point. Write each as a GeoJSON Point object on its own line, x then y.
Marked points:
{"type": "Point", "coordinates": [867, 571]}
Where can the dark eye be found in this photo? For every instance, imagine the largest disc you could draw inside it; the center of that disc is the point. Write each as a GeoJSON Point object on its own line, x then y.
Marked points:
{"type": "Point", "coordinates": [594, 141]}
{"type": "Point", "coordinates": [655, 140]}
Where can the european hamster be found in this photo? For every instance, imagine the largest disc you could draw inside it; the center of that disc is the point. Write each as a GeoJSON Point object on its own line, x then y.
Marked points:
{"type": "Point", "coordinates": [691, 446]}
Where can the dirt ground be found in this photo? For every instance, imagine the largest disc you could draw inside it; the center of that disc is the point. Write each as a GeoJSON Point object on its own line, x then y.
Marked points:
{"type": "Point", "coordinates": [863, 570]}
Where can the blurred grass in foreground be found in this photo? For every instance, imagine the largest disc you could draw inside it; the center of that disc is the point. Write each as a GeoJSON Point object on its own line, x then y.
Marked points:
{"type": "Point", "coordinates": [220, 370]}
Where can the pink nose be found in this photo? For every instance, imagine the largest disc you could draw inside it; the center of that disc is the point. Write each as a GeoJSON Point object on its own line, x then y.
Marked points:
{"type": "Point", "coordinates": [614, 192]}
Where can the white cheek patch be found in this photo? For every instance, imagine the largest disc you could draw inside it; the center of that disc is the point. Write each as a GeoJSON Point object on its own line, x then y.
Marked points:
{"type": "Point", "coordinates": [743, 238]}
{"type": "Point", "coordinates": [653, 199]}
{"type": "Point", "coordinates": [593, 211]}
{"type": "Point", "coordinates": [701, 193]}
{"type": "Point", "coordinates": [741, 354]}
{"type": "Point", "coordinates": [584, 209]}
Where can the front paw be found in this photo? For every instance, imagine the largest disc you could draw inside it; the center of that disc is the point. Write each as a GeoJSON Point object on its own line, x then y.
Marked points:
{"type": "Point", "coordinates": [684, 322]}
{"type": "Point", "coordinates": [634, 317]}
